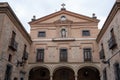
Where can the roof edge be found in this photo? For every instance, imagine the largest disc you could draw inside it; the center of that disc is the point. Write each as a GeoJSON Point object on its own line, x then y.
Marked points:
{"type": "Point", "coordinates": [11, 13]}
{"type": "Point", "coordinates": [109, 19]}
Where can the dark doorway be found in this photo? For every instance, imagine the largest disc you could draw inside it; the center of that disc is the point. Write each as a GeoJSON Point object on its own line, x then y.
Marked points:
{"type": "Point", "coordinates": [39, 73]}
{"type": "Point", "coordinates": [88, 73]}
{"type": "Point", "coordinates": [63, 74]}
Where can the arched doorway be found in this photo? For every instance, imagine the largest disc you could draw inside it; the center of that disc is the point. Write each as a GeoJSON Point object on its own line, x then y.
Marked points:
{"type": "Point", "coordinates": [88, 73]}
{"type": "Point", "coordinates": [39, 73]}
{"type": "Point", "coordinates": [63, 73]}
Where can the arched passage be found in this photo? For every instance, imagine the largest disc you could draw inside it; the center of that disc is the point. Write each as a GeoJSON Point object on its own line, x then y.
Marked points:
{"type": "Point", "coordinates": [88, 73]}
{"type": "Point", "coordinates": [63, 73]}
{"type": "Point", "coordinates": [39, 73]}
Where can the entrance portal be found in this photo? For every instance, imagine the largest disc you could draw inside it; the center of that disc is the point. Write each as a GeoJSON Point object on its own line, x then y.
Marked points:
{"type": "Point", "coordinates": [88, 73]}
{"type": "Point", "coordinates": [39, 73]}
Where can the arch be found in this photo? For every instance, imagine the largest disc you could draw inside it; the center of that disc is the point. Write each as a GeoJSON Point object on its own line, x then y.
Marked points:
{"type": "Point", "coordinates": [63, 73]}
{"type": "Point", "coordinates": [61, 66]}
{"type": "Point", "coordinates": [89, 65]}
{"type": "Point", "coordinates": [88, 73]}
{"type": "Point", "coordinates": [45, 66]}
{"type": "Point", "coordinates": [57, 68]}
{"type": "Point", "coordinates": [39, 73]}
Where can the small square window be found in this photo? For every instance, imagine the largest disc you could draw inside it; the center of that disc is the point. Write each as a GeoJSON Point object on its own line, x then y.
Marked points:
{"type": "Point", "coordinates": [86, 33]}
{"type": "Point", "coordinates": [41, 34]}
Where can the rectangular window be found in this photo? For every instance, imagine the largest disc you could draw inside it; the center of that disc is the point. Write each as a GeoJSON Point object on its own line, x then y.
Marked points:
{"type": "Point", "coordinates": [13, 35]}
{"type": "Point", "coordinates": [112, 42]}
{"type": "Point", "coordinates": [10, 58]}
{"type": "Point", "coordinates": [101, 53]}
{"type": "Point", "coordinates": [63, 55]}
{"type": "Point", "coordinates": [117, 71]}
{"type": "Point", "coordinates": [13, 44]}
{"type": "Point", "coordinates": [112, 33]}
{"type": "Point", "coordinates": [87, 54]}
{"type": "Point", "coordinates": [8, 72]}
{"type": "Point", "coordinates": [104, 74]}
{"type": "Point", "coordinates": [40, 55]}
{"type": "Point", "coordinates": [25, 54]}
{"type": "Point", "coordinates": [22, 75]}
{"type": "Point", "coordinates": [86, 33]}
{"type": "Point", "coordinates": [42, 34]}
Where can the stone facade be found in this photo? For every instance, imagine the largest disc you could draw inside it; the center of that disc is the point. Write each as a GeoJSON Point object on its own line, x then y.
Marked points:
{"type": "Point", "coordinates": [11, 52]}
{"type": "Point", "coordinates": [72, 39]}
{"type": "Point", "coordinates": [60, 43]}
{"type": "Point", "coordinates": [109, 45]}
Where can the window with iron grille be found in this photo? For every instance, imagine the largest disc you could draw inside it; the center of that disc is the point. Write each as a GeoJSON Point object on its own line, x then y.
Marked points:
{"type": "Point", "coordinates": [63, 55]}
{"type": "Point", "coordinates": [10, 58]}
{"type": "Point", "coordinates": [13, 44]}
{"type": "Point", "coordinates": [25, 54]}
{"type": "Point", "coordinates": [104, 74]}
{"type": "Point", "coordinates": [87, 54]}
{"type": "Point", "coordinates": [40, 55]}
{"type": "Point", "coordinates": [42, 34]}
{"type": "Point", "coordinates": [112, 41]}
{"type": "Point", "coordinates": [8, 72]}
{"type": "Point", "coordinates": [101, 53]}
{"type": "Point", "coordinates": [85, 33]}
{"type": "Point", "coordinates": [117, 71]}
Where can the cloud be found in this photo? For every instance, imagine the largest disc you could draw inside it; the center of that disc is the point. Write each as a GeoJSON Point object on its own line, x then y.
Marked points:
{"type": "Point", "coordinates": [25, 9]}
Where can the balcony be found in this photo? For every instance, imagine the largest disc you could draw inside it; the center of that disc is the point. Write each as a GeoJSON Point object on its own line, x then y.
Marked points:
{"type": "Point", "coordinates": [63, 39]}
{"type": "Point", "coordinates": [13, 45]}
{"type": "Point", "coordinates": [101, 54]}
{"type": "Point", "coordinates": [87, 59]}
{"type": "Point", "coordinates": [25, 56]}
{"type": "Point", "coordinates": [112, 43]}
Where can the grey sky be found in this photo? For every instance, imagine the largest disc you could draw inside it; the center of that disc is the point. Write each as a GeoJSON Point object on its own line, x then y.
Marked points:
{"type": "Point", "coordinates": [25, 9]}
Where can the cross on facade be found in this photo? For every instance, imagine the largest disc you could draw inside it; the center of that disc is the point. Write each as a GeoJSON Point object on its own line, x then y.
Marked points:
{"type": "Point", "coordinates": [63, 5]}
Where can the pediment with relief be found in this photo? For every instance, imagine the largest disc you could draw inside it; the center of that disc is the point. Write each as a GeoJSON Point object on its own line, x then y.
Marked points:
{"type": "Point", "coordinates": [63, 22]}
{"type": "Point", "coordinates": [70, 18]}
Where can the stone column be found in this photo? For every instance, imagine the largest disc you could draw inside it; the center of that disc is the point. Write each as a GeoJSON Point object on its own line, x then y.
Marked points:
{"type": "Point", "coordinates": [76, 77]}
{"type": "Point", "coordinates": [51, 77]}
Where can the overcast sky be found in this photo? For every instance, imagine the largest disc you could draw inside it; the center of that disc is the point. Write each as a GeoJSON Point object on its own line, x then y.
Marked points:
{"type": "Point", "coordinates": [25, 9]}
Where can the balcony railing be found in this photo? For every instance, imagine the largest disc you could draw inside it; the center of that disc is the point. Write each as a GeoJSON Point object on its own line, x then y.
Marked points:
{"type": "Point", "coordinates": [101, 54]}
{"type": "Point", "coordinates": [63, 39]}
{"type": "Point", "coordinates": [87, 59]}
{"type": "Point", "coordinates": [13, 45]}
{"type": "Point", "coordinates": [112, 43]}
{"type": "Point", "coordinates": [63, 59]}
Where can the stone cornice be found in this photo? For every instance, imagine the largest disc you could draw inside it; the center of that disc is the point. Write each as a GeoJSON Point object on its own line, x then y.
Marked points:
{"type": "Point", "coordinates": [63, 39]}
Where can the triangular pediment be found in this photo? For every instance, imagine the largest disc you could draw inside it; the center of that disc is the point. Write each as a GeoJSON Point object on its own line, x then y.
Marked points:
{"type": "Point", "coordinates": [71, 17]}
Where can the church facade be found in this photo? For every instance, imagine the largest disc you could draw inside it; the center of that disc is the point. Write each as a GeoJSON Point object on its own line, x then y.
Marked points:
{"type": "Point", "coordinates": [61, 46]}
{"type": "Point", "coordinates": [64, 47]}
